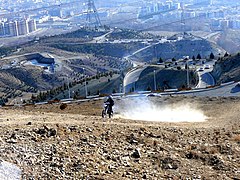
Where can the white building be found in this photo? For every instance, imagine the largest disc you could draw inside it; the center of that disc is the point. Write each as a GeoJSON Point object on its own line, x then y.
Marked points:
{"type": "Point", "coordinates": [23, 27]}
{"type": "Point", "coordinates": [17, 27]}
{"type": "Point", "coordinates": [13, 28]}
{"type": "Point", "coordinates": [32, 25]}
{"type": "Point", "coordinates": [2, 31]}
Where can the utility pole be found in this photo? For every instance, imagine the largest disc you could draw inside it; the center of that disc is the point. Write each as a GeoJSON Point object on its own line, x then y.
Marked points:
{"type": "Point", "coordinates": [182, 17]}
{"type": "Point", "coordinates": [187, 75]}
{"type": "Point", "coordinates": [92, 14]}
{"type": "Point", "coordinates": [85, 82]}
{"type": "Point", "coordinates": [69, 94]}
{"type": "Point", "coordinates": [154, 79]}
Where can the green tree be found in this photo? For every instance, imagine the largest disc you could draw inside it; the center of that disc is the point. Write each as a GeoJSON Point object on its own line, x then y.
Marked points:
{"type": "Point", "coordinates": [149, 88]}
{"type": "Point", "coordinates": [211, 56]}
{"type": "Point", "coordinates": [160, 60]}
{"type": "Point", "coordinates": [226, 54]}
{"type": "Point", "coordinates": [199, 56]}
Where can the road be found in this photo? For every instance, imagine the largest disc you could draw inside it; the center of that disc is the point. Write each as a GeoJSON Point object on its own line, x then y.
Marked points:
{"type": "Point", "coordinates": [205, 77]}
{"type": "Point", "coordinates": [209, 36]}
{"type": "Point", "coordinates": [101, 39]}
{"type": "Point", "coordinates": [205, 80]}
{"type": "Point", "coordinates": [228, 90]}
{"type": "Point", "coordinates": [132, 77]}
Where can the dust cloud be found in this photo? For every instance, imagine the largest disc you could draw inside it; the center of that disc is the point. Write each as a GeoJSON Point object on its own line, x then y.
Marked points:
{"type": "Point", "coordinates": [146, 110]}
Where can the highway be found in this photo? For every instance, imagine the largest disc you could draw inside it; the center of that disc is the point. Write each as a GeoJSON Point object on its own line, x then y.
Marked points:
{"type": "Point", "coordinates": [132, 77]}
{"type": "Point", "coordinates": [225, 90]}
{"type": "Point", "coordinates": [205, 80]}
{"type": "Point", "coordinates": [205, 77]}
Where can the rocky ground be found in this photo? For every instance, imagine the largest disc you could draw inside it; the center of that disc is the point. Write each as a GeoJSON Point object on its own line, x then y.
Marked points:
{"type": "Point", "coordinates": [76, 143]}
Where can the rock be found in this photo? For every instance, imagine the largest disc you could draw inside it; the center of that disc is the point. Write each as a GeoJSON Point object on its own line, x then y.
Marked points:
{"type": "Point", "coordinates": [13, 141]}
{"type": "Point", "coordinates": [216, 163]}
{"type": "Point", "coordinates": [13, 136]}
{"type": "Point", "coordinates": [136, 153]}
{"type": "Point", "coordinates": [29, 123]}
{"type": "Point", "coordinates": [9, 171]}
{"type": "Point", "coordinates": [41, 131]}
{"type": "Point", "coordinates": [92, 145]}
{"type": "Point", "coordinates": [144, 176]}
{"type": "Point", "coordinates": [52, 132]}
{"type": "Point", "coordinates": [63, 106]}
{"type": "Point", "coordinates": [132, 139]}
{"type": "Point", "coordinates": [169, 163]}
{"type": "Point", "coordinates": [89, 129]}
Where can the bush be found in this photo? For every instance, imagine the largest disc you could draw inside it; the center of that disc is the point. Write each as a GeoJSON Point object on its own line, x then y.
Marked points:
{"type": "Point", "coordinates": [63, 106]}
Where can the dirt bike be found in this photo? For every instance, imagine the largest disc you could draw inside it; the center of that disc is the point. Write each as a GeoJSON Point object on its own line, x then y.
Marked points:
{"type": "Point", "coordinates": [107, 111]}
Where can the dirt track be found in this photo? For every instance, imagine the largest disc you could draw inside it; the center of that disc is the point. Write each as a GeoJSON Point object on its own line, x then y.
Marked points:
{"type": "Point", "coordinates": [76, 143]}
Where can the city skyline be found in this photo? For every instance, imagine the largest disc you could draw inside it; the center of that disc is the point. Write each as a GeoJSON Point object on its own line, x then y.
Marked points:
{"type": "Point", "coordinates": [217, 14]}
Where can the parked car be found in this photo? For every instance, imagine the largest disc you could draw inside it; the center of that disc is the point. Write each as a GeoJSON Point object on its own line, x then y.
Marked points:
{"type": "Point", "coordinates": [200, 69]}
{"type": "Point", "coordinates": [207, 66]}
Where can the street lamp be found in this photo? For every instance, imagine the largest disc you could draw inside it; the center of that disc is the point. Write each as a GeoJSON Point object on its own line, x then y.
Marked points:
{"type": "Point", "coordinates": [69, 95]}
{"type": "Point", "coordinates": [85, 82]}
{"type": "Point", "coordinates": [120, 88]}
{"type": "Point", "coordinates": [187, 75]}
{"type": "Point", "coordinates": [154, 79]}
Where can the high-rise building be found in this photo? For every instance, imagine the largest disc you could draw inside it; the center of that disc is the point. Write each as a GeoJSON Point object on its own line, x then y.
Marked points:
{"type": "Point", "coordinates": [2, 31]}
{"type": "Point", "coordinates": [23, 27]}
{"type": "Point", "coordinates": [32, 25]}
{"type": "Point", "coordinates": [201, 2]}
{"type": "Point", "coordinates": [17, 27]}
{"type": "Point", "coordinates": [13, 28]}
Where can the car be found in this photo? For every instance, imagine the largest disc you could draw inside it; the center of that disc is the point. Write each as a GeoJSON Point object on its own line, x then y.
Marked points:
{"type": "Point", "coordinates": [200, 69]}
{"type": "Point", "coordinates": [154, 95]}
{"type": "Point", "coordinates": [207, 66]}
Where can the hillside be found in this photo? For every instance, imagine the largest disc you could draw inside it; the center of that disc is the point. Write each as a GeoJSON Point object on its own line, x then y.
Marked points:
{"type": "Point", "coordinates": [87, 53]}
{"type": "Point", "coordinates": [178, 46]}
{"type": "Point", "coordinates": [229, 40]}
{"type": "Point", "coordinates": [165, 79]}
{"type": "Point", "coordinates": [227, 69]}
{"type": "Point", "coordinates": [46, 142]}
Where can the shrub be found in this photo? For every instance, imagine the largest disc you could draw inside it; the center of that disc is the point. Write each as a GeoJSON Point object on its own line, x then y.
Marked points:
{"type": "Point", "coordinates": [63, 106]}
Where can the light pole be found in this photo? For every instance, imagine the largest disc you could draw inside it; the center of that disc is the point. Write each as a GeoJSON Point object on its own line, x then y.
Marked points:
{"type": "Point", "coordinates": [85, 82]}
{"type": "Point", "coordinates": [187, 75]}
{"type": "Point", "coordinates": [120, 88]}
{"type": "Point", "coordinates": [69, 95]}
{"type": "Point", "coordinates": [154, 79]}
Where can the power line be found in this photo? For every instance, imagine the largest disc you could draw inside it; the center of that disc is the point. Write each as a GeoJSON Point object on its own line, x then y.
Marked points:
{"type": "Point", "coordinates": [92, 11]}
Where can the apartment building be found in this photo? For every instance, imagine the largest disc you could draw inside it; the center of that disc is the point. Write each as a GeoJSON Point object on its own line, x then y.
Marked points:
{"type": "Point", "coordinates": [17, 27]}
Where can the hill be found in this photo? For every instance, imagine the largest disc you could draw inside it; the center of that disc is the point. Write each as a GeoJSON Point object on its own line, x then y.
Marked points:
{"type": "Point", "coordinates": [165, 78]}
{"type": "Point", "coordinates": [46, 142]}
{"type": "Point", "coordinates": [178, 46]}
{"type": "Point", "coordinates": [87, 53]}
{"type": "Point", "coordinates": [227, 69]}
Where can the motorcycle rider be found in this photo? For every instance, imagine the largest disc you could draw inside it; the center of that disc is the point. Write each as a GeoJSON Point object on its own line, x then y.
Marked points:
{"type": "Point", "coordinates": [110, 103]}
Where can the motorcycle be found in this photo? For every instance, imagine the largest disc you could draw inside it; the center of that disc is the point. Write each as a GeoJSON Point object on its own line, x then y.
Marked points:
{"type": "Point", "coordinates": [107, 111]}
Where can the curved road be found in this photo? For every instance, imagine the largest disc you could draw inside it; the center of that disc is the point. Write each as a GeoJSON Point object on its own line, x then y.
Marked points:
{"type": "Point", "coordinates": [131, 77]}
{"type": "Point", "coordinates": [205, 80]}
{"type": "Point", "coordinates": [205, 77]}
